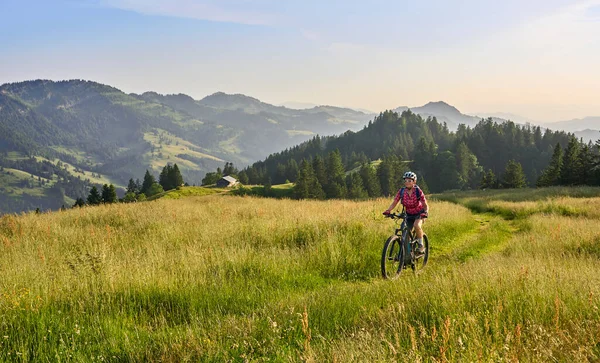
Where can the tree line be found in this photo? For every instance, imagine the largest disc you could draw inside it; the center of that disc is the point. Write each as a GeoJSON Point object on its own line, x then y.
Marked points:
{"type": "Point", "coordinates": [170, 178]}
{"type": "Point", "coordinates": [488, 155]}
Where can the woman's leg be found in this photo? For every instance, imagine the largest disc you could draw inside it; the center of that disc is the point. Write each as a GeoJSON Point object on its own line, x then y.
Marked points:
{"type": "Point", "coordinates": [419, 234]}
{"type": "Point", "coordinates": [419, 228]}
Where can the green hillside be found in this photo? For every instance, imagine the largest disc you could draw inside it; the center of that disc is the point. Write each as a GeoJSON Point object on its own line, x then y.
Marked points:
{"type": "Point", "coordinates": [98, 134]}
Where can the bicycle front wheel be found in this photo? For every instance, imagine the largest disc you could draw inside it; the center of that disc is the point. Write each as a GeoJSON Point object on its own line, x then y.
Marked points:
{"type": "Point", "coordinates": [392, 258]}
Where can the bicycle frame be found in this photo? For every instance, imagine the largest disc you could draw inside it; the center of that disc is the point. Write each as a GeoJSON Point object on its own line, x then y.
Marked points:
{"type": "Point", "coordinates": [406, 237]}
{"type": "Point", "coordinates": [407, 247]}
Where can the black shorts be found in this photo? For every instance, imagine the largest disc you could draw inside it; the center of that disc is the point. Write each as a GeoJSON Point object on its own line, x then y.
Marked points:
{"type": "Point", "coordinates": [411, 218]}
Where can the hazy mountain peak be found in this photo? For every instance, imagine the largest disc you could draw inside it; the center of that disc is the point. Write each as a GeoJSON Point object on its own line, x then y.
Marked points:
{"type": "Point", "coordinates": [149, 94]}
{"type": "Point", "coordinates": [298, 105]}
{"type": "Point", "coordinates": [440, 106]}
{"type": "Point", "coordinates": [226, 96]}
{"type": "Point", "coordinates": [580, 124]}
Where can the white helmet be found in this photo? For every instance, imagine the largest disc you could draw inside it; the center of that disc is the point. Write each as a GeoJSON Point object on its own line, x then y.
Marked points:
{"type": "Point", "coordinates": [410, 175]}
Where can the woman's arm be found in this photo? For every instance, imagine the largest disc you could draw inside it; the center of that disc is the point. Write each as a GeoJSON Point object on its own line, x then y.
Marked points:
{"type": "Point", "coordinates": [425, 205]}
{"type": "Point", "coordinates": [394, 203]}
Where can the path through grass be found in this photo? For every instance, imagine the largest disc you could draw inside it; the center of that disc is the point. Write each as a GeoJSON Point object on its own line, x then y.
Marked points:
{"type": "Point", "coordinates": [223, 278]}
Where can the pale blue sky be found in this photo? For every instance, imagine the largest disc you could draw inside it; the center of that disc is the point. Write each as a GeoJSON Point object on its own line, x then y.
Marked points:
{"type": "Point", "coordinates": [535, 58]}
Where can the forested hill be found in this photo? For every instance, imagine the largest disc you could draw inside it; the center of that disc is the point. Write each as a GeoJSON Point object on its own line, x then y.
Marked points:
{"type": "Point", "coordinates": [59, 138]}
{"type": "Point", "coordinates": [443, 159]}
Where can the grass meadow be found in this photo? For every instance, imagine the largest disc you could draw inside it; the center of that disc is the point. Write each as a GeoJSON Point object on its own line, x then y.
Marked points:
{"type": "Point", "coordinates": [228, 278]}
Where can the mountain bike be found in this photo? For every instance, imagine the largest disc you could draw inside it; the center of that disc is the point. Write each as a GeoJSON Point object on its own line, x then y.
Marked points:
{"type": "Point", "coordinates": [400, 250]}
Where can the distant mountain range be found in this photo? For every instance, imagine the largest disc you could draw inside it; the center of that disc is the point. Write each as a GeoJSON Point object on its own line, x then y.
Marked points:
{"type": "Point", "coordinates": [100, 122]}
{"type": "Point", "coordinates": [444, 113]}
{"type": "Point", "coordinates": [587, 123]}
{"type": "Point", "coordinates": [586, 128]}
{"type": "Point", "coordinates": [99, 134]}
{"type": "Point", "coordinates": [307, 105]}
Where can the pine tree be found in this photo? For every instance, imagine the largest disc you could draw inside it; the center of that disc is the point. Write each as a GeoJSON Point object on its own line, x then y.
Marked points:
{"type": "Point", "coordinates": [304, 180]}
{"type": "Point", "coordinates": [467, 166]}
{"type": "Point", "coordinates": [164, 179]}
{"type": "Point", "coordinates": [148, 182]}
{"type": "Point", "coordinates": [386, 176]}
{"type": "Point", "coordinates": [94, 198]}
{"type": "Point", "coordinates": [79, 202]}
{"type": "Point", "coordinates": [320, 171]}
{"type": "Point", "coordinates": [423, 185]}
{"type": "Point", "coordinates": [488, 180]}
{"type": "Point", "coordinates": [513, 175]}
{"type": "Point", "coordinates": [336, 186]}
{"type": "Point", "coordinates": [292, 170]}
{"type": "Point", "coordinates": [448, 176]}
{"type": "Point", "coordinates": [586, 164]}
{"type": "Point", "coordinates": [229, 169]}
{"type": "Point", "coordinates": [315, 189]}
{"type": "Point", "coordinates": [355, 186]}
{"type": "Point", "coordinates": [424, 153]}
{"type": "Point", "coordinates": [552, 174]}
{"type": "Point", "coordinates": [113, 194]}
{"type": "Point", "coordinates": [280, 176]}
{"type": "Point", "coordinates": [370, 181]}
{"type": "Point", "coordinates": [571, 169]}
{"type": "Point", "coordinates": [109, 194]}
{"type": "Point", "coordinates": [132, 187]}
{"type": "Point", "coordinates": [243, 177]}
{"type": "Point", "coordinates": [390, 173]}
{"type": "Point", "coordinates": [177, 178]}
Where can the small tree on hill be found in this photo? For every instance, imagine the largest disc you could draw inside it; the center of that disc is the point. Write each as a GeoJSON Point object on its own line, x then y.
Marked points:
{"type": "Point", "coordinates": [129, 198]}
{"type": "Point", "coordinates": [176, 177]}
{"type": "Point", "coordinates": [164, 179]}
{"type": "Point", "coordinates": [229, 169]}
{"type": "Point", "coordinates": [571, 168]}
{"type": "Point", "coordinates": [356, 189]}
{"type": "Point", "coordinates": [514, 176]}
{"type": "Point", "coordinates": [336, 186]}
{"type": "Point", "coordinates": [148, 182]}
{"type": "Point", "coordinates": [94, 198]}
{"type": "Point", "coordinates": [489, 180]}
{"type": "Point", "coordinates": [132, 187]}
{"type": "Point", "coordinates": [370, 181]}
{"type": "Point", "coordinates": [154, 189]}
{"type": "Point", "coordinates": [79, 202]}
{"type": "Point", "coordinates": [243, 177]}
{"type": "Point", "coordinates": [552, 174]}
{"type": "Point", "coordinates": [307, 185]}
{"type": "Point", "coordinates": [109, 194]}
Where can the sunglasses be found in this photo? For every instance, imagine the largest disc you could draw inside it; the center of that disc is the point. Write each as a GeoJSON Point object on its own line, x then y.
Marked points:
{"type": "Point", "coordinates": [408, 180]}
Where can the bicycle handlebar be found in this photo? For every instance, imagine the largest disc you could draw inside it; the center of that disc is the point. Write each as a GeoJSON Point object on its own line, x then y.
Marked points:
{"type": "Point", "coordinates": [402, 215]}
{"type": "Point", "coordinates": [396, 216]}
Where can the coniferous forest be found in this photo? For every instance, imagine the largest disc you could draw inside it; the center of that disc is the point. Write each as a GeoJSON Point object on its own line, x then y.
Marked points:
{"type": "Point", "coordinates": [371, 162]}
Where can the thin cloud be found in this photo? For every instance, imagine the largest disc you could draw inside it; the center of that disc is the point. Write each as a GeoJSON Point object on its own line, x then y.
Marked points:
{"type": "Point", "coordinates": [570, 28]}
{"type": "Point", "coordinates": [218, 11]}
{"type": "Point", "coordinates": [310, 35]}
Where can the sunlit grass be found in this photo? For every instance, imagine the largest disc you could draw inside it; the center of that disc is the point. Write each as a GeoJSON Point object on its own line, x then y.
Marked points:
{"type": "Point", "coordinates": [521, 203]}
{"type": "Point", "coordinates": [227, 278]}
{"type": "Point", "coordinates": [184, 192]}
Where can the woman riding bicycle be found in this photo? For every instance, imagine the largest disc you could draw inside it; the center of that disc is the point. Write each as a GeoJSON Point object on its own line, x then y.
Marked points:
{"type": "Point", "coordinates": [413, 199]}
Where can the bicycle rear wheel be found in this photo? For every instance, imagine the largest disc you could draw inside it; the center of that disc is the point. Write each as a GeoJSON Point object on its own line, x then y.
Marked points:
{"type": "Point", "coordinates": [392, 258]}
{"type": "Point", "coordinates": [420, 261]}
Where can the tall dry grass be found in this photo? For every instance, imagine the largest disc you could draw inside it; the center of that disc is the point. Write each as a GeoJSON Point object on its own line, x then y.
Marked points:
{"type": "Point", "coordinates": [236, 278]}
